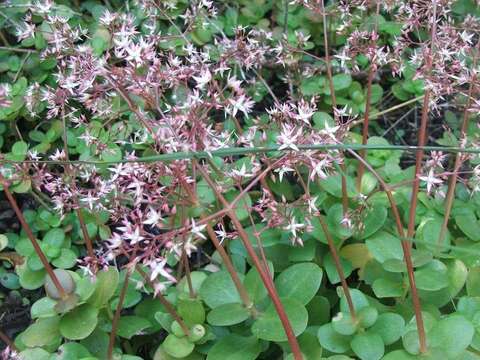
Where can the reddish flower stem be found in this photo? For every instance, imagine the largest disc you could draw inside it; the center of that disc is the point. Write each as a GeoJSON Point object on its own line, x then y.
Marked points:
{"type": "Point", "coordinates": [170, 309]}
{"type": "Point", "coordinates": [30, 235]}
{"type": "Point", "coordinates": [422, 138]}
{"type": "Point", "coordinates": [69, 169]}
{"type": "Point", "coordinates": [334, 103]}
{"type": "Point", "coordinates": [116, 317]}
{"type": "Point", "coordinates": [333, 250]}
{"type": "Point", "coordinates": [268, 283]}
{"type": "Point", "coordinates": [407, 253]}
{"type": "Point", "coordinates": [242, 291]}
{"type": "Point", "coordinates": [366, 119]}
{"type": "Point", "coordinates": [458, 157]}
{"type": "Point", "coordinates": [7, 341]}
{"type": "Point", "coordinates": [338, 266]}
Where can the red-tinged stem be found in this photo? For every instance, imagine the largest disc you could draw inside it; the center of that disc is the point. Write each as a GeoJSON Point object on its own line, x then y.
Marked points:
{"type": "Point", "coordinates": [334, 103]}
{"type": "Point", "coordinates": [334, 252]}
{"type": "Point", "coordinates": [69, 170]}
{"type": "Point", "coordinates": [242, 291]}
{"type": "Point", "coordinates": [30, 235]}
{"type": "Point", "coordinates": [292, 340]}
{"type": "Point", "coordinates": [223, 211]}
{"type": "Point", "coordinates": [421, 142]}
{"type": "Point", "coordinates": [366, 119]}
{"type": "Point", "coordinates": [132, 106]}
{"type": "Point", "coordinates": [170, 309]}
{"type": "Point", "coordinates": [458, 157]}
{"type": "Point", "coordinates": [86, 237]}
{"type": "Point", "coordinates": [186, 265]}
{"type": "Point", "coordinates": [338, 266]}
{"type": "Point", "coordinates": [7, 341]}
{"type": "Point", "coordinates": [407, 253]}
{"type": "Point", "coordinates": [116, 317]}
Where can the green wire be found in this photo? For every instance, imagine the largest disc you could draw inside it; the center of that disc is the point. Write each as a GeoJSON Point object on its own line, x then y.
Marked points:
{"type": "Point", "coordinates": [236, 151]}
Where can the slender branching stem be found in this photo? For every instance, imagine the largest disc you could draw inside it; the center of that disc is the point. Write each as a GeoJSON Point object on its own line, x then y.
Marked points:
{"type": "Point", "coordinates": [30, 235]}
{"type": "Point", "coordinates": [406, 245]}
{"type": "Point", "coordinates": [338, 266]}
{"type": "Point", "coordinates": [334, 102]}
{"type": "Point", "coordinates": [458, 157]}
{"type": "Point", "coordinates": [333, 251]}
{"type": "Point", "coordinates": [242, 291]}
{"type": "Point", "coordinates": [422, 138]}
{"type": "Point", "coordinates": [186, 265]}
{"type": "Point", "coordinates": [268, 283]}
{"type": "Point", "coordinates": [407, 252]}
{"type": "Point", "coordinates": [166, 304]}
{"type": "Point", "coordinates": [116, 317]}
{"type": "Point", "coordinates": [371, 73]}
{"type": "Point", "coordinates": [4, 337]}
{"type": "Point", "coordinates": [70, 171]}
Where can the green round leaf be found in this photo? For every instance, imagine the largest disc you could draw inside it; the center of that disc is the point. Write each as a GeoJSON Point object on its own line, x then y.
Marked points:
{"type": "Point", "coordinates": [54, 237]}
{"type": "Point", "coordinates": [384, 246]}
{"type": "Point", "coordinates": [131, 325]}
{"type": "Point", "coordinates": [235, 347]}
{"type": "Point", "coordinates": [10, 281]}
{"type": "Point", "coordinates": [300, 282]}
{"type": "Point", "coordinates": [35, 354]}
{"type": "Point", "coordinates": [368, 346]}
{"type": "Point", "coordinates": [191, 311]}
{"type": "Point", "coordinates": [227, 314]}
{"type": "Point", "coordinates": [432, 276]}
{"type": "Point", "coordinates": [367, 316]}
{"type": "Point", "coordinates": [269, 327]}
{"type": "Point", "coordinates": [344, 324]}
{"type": "Point", "coordinates": [332, 340]}
{"type": "Point", "coordinates": [341, 81]}
{"type": "Point", "coordinates": [219, 289]}
{"type": "Point", "coordinates": [105, 286]}
{"type": "Point", "coordinates": [44, 307]}
{"type": "Point", "coordinates": [66, 260]}
{"type": "Point", "coordinates": [42, 332]}
{"type": "Point", "coordinates": [390, 327]}
{"type": "Point", "coordinates": [177, 347]}
{"type": "Point", "coordinates": [79, 323]}
{"type": "Point", "coordinates": [452, 334]}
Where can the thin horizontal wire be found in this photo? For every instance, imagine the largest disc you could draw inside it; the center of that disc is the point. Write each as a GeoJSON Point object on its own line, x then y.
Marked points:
{"type": "Point", "coordinates": [236, 151]}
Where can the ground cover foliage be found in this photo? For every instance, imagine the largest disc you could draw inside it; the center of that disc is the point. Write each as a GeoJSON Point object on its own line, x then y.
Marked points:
{"type": "Point", "coordinates": [235, 180]}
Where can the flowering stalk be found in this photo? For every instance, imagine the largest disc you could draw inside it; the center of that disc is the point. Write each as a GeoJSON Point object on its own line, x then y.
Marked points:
{"type": "Point", "coordinates": [407, 253]}
{"type": "Point", "coordinates": [371, 74]}
{"type": "Point", "coordinates": [268, 283]}
{"type": "Point", "coordinates": [30, 235]}
{"type": "Point", "coordinates": [334, 102]}
{"type": "Point", "coordinates": [338, 266]}
{"type": "Point", "coordinates": [170, 309]}
{"type": "Point", "coordinates": [7, 341]}
{"type": "Point", "coordinates": [116, 317]}
{"type": "Point", "coordinates": [191, 292]}
{"type": "Point", "coordinates": [458, 158]}
{"type": "Point", "coordinates": [70, 172]}
{"type": "Point", "coordinates": [421, 141]}
{"type": "Point", "coordinates": [242, 291]}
